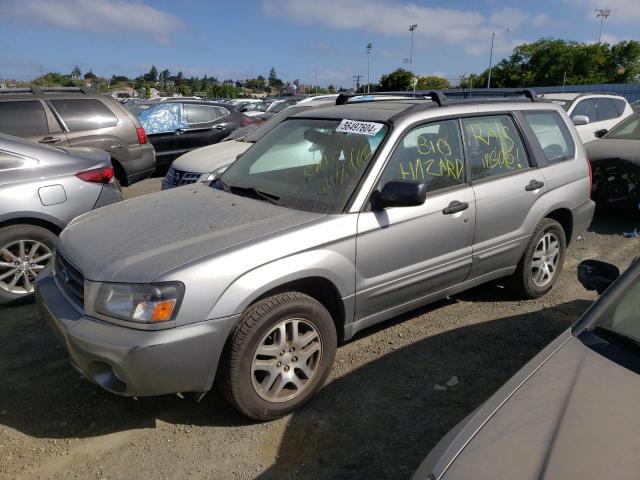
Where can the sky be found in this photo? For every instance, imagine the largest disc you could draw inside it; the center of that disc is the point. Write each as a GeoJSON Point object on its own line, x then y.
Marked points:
{"type": "Point", "coordinates": [299, 38]}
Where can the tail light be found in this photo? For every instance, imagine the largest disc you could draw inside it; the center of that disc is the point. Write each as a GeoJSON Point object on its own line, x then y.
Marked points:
{"type": "Point", "coordinates": [96, 175]}
{"type": "Point", "coordinates": [245, 120]}
{"type": "Point", "coordinates": [142, 136]}
{"type": "Point", "coordinates": [590, 176]}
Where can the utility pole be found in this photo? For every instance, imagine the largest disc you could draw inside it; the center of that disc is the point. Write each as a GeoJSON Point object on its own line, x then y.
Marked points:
{"type": "Point", "coordinates": [412, 29]}
{"type": "Point", "coordinates": [356, 79]}
{"type": "Point", "coordinates": [369, 47]}
{"type": "Point", "coordinates": [602, 14]}
{"type": "Point", "coordinates": [316, 72]}
{"type": "Point", "coordinates": [493, 37]}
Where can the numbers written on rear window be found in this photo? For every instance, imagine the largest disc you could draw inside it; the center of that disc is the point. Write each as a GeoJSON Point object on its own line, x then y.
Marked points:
{"type": "Point", "coordinates": [553, 135]}
{"type": "Point", "coordinates": [494, 146]}
{"type": "Point", "coordinates": [84, 114]}
{"type": "Point", "coordinates": [23, 118]}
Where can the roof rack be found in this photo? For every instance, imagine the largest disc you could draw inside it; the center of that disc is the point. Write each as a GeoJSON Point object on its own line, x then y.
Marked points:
{"type": "Point", "coordinates": [41, 90]}
{"type": "Point", "coordinates": [447, 97]}
{"type": "Point", "coordinates": [369, 97]}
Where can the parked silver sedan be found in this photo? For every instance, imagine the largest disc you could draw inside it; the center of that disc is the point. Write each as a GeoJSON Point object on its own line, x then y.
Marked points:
{"type": "Point", "coordinates": [572, 411]}
{"type": "Point", "coordinates": [42, 189]}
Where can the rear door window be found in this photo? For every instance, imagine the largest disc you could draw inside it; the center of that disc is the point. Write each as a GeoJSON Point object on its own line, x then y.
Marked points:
{"type": "Point", "coordinates": [605, 109]}
{"type": "Point", "coordinates": [553, 135]}
{"type": "Point", "coordinates": [84, 114]}
{"type": "Point", "coordinates": [23, 119]}
{"type": "Point", "coordinates": [621, 105]}
{"type": "Point", "coordinates": [200, 114]}
{"type": "Point", "coordinates": [494, 146]}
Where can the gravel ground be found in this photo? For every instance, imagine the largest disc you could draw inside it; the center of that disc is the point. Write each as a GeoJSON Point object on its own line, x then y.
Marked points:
{"type": "Point", "coordinates": [377, 417]}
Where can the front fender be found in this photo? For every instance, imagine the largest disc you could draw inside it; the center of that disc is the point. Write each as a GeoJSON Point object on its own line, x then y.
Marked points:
{"type": "Point", "coordinates": [338, 267]}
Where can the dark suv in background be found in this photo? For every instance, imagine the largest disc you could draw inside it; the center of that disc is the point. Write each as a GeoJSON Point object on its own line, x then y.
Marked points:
{"type": "Point", "coordinates": [79, 117]}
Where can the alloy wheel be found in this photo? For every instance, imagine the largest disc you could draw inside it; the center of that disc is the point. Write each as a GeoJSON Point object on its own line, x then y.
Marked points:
{"type": "Point", "coordinates": [286, 360]}
{"type": "Point", "coordinates": [546, 257]}
{"type": "Point", "coordinates": [20, 263]}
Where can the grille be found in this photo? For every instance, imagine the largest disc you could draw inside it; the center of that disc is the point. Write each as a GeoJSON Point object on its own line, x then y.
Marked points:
{"type": "Point", "coordinates": [70, 279]}
{"type": "Point", "coordinates": [177, 178]}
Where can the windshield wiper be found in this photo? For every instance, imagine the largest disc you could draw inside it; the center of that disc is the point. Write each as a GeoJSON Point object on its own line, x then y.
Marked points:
{"type": "Point", "coordinates": [617, 337]}
{"type": "Point", "coordinates": [269, 197]}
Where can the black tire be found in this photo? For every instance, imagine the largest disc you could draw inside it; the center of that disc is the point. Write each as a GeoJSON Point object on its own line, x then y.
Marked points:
{"type": "Point", "coordinates": [15, 233]}
{"type": "Point", "coordinates": [236, 377]}
{"type": "Point", "coordinates": [523, 281]}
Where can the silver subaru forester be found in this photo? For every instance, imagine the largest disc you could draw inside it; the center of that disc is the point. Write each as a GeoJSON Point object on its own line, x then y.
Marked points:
{"type": "Point", "coordinates": [337, 219]}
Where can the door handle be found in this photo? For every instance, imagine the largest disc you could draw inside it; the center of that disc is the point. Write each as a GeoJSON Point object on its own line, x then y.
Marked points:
{"type": "Point", "coordinates": [49, 140]}
{"type": "Point", "coordinates": [178, 131]}
{"type": "Point", "coordinates": [534, 185]}
{"type": "Point", "coordinates": [219, 127]}
{"type": "Point", "coordinates": [117, 145]}
{"type": "Point", "coordinates": [455, 207]}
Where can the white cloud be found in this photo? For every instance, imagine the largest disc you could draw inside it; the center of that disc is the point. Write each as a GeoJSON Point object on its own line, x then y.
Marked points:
{"type": "Point", "coordinates": [99, 16]}
{"type": "Point", "coordinates": [388, 17]}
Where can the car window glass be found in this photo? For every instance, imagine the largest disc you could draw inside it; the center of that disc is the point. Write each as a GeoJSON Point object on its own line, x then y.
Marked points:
{"type": "Point", "coordinates": [605, 109]}
{"type": "Point", "coordinates": [200, 113]}
{"type": "Point", "coordinates": [429, 153]}
{"type": "Point", "coordinates": [553, 135]}
{"type": "Point", "coordinates": [310, 164]}
{"type": "Point", "coordinates": [11, 162]}
{"type": "Point", "coordinates": [84, 114]}
{"type": "Point", "coordinates": [221, 111]}
{"type": "Point", "coordinates": [623, 316]}
{"type": "Point", "coordinates": [23, 118]}
{"type": "Point", "coordinates": [164, 117]}
{"type": "Point", "coordinates": [494, 146]}
{"type": "Point", "coordinates": [587, 108]}
{"type": "Point", "coordinates": [627, 130]}
{"type": "Point", "coordinates": [620, 105]}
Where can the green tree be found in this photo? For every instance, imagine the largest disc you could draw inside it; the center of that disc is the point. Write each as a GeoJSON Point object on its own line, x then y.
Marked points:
{"type": "Point", "coordinates": [90, 75]}
{"type": "Point", "coordinates": [76, 73]}
{"type": "Point", "coordinates": [152, 76]}
{"type": "Point", "coordinates": [432, 82]}
{"type": "Point", "coordinates": [398, 80]}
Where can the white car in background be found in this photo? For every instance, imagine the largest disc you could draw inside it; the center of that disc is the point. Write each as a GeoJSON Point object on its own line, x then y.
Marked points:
{"type": "Point", "coordinates": [204, 164]}
{"type": "Point", "coordinates": [592, 112]}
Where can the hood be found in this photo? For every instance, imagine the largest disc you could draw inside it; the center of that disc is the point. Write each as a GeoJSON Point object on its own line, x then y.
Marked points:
{"type": "Point", "coordinates": [606, 149]}
{"type": "Point", "coordinates": [207, 159]}
{"type": "Point", "coordinates": [140, 239]}
{"type": "Point", "coordinates": [575, 417]}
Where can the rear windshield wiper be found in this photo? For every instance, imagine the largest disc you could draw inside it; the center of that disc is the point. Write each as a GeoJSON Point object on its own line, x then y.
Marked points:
{"type": "Point", "coordinates": [269, 197]}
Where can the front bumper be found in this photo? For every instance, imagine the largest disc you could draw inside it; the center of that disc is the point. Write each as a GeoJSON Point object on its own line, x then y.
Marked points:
{"type": "Point", "coordinates": [134, 362]}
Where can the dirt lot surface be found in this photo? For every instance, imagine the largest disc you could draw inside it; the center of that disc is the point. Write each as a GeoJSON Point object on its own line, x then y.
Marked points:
{"type": "Point", "coordinates": [377, 417]}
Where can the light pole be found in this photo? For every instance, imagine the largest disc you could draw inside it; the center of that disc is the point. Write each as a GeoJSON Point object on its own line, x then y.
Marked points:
{"type": "Point", "coordinates": [602, 14]}
{"type": "Point", "coordinates": [369, 47]}
{"type": "Point", "coordinates": [412, 29]}
{"type": "Point", "coordinates": [316, 71]}
{"type": "Point", "coordinates": [493, 37]}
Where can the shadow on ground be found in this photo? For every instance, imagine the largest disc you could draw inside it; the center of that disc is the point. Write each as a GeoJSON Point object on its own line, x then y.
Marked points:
{"type": "Point", "coordinates": [376, 422]}
{"type": "Point", "coordinates": [614, 221]}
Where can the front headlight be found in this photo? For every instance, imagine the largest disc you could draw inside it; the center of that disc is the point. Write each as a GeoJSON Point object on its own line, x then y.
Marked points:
{"type": "Point", "coordinates": [210, 177]}
{"type": "Point", "coordinates": [143, 303]}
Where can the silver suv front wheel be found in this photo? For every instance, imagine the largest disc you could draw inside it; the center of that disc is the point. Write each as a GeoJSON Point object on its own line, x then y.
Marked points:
{"type": "Point", "coordinates": [278, 355]}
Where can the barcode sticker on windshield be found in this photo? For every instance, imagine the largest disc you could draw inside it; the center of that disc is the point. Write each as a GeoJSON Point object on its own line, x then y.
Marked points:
{"type": "Point", "coordinates": [362, 128]}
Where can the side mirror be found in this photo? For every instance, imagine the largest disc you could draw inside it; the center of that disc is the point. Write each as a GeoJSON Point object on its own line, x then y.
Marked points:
{"type": "Point", "coordinates": [401, 193]}
{"type": "Point", "coordinates": [580, 120]}
{"type": "Point", "coordinates": [600, 133]}
{"type": "Point", "coordinates": [596, 275]}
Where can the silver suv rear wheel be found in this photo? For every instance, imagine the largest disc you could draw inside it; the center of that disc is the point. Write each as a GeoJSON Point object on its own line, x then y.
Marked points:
{"type": "Point", "coordinates": [544, 262]}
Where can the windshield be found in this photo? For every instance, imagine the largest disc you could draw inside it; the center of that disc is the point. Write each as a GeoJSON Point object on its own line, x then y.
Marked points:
{"type": "Point", "coordinates": [623, 316]}
{"type": "Point", "coordinates": [628, 129]}
{"type": "Point", "coordinates": [307, 164]}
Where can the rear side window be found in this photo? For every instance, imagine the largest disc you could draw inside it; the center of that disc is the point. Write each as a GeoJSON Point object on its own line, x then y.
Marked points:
{"type": "Point", "coordinates": [84, 114]}
{"type": "Point", "coordinates": [431, 154]}
{"type": "Point", "coordinates": [23, 118]}
{"type": "Point", "coordinates": [494, 146]}
{"type": "Point", "coordinates": [587, 108]}
{"type": "Point", "coordinates": [553, 135]}
{"type": "Point", "coordinates": [200, 113]}
{"type": "Point", "coordinates": [620, 105]}
{"type": "Point", "coordinates": [606, 109]}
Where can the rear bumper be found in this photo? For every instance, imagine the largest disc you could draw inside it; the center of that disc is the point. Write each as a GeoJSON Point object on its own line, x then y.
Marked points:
{"type": "Point", "coordinates": [582, 218]}
{"type": "Point", "coordinates": [133, 362]}
{"type": "Point", "coordinates": [108, 195]}
{"type": "Point", "coordinates": [140, 167]}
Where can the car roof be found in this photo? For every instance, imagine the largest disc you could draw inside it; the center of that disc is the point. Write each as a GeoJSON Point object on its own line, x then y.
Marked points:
{"type": "Point", "coordinates": [575, 96]}
{"type": "Point", "coordinates": [381, 111]}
